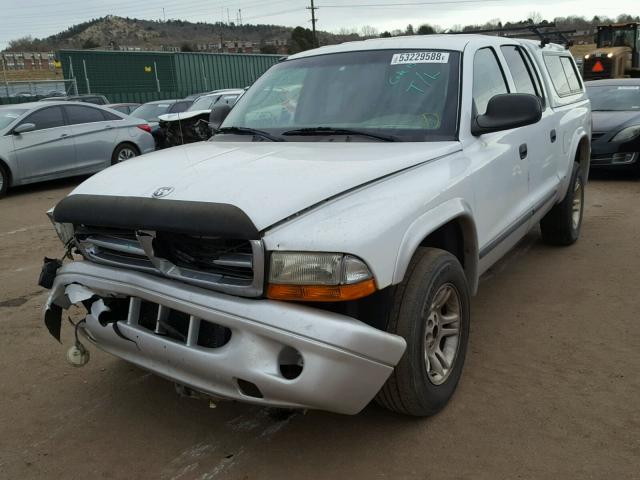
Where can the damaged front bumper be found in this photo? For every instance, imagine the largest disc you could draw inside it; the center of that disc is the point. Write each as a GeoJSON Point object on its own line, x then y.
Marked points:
{"type": "Point", "coordinates": [341, 363]}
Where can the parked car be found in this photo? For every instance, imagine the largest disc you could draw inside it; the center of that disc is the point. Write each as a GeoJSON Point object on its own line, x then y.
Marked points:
{"type": "Point", "coordinates": [192, 125]}
{"type": "Point", "coordinates": [42, 141]}
{"type": "Point", "coordinates": [125, 108]}
{"type": "Point", "coordinates": [152, 110]}
{"type": "Point", "coordinates": [615, 141]}
{"type": "Point", "coordinates": [86, 98]}
{"type": "Point", "coordinates": [324, 253]}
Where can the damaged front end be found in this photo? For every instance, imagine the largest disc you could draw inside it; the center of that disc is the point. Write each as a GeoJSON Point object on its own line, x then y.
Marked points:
{"type": "Point", "coordinates": [190, 130]}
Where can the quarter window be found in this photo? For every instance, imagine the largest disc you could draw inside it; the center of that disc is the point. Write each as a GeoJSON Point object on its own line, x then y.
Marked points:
{"type": "Point", "coordinates": [488, 79]}
{"type": "Point", "coordinates": [50, 117]}
{"type": "Point", "coordinates": [78, 114]}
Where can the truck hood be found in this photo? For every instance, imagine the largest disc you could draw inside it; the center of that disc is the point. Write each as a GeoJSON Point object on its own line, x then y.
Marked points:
{"type": "Point", "coordinates": [172, 117]}
{"type": "Point", "coordinates": [268, 181]}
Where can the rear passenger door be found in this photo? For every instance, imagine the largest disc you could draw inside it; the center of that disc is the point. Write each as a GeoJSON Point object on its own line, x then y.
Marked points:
{"type": "Point", "coordinates": [540, 138]}
{"type": "Point", "coordinates": [95, 134]}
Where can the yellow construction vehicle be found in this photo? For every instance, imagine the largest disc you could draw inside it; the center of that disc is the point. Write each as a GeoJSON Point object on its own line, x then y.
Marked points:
{"type": "Point", "coordinates": [617, 53]}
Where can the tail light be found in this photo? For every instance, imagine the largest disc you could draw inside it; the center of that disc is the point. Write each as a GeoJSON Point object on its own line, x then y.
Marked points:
{"type": "Point", "coordinates": [145, 126]}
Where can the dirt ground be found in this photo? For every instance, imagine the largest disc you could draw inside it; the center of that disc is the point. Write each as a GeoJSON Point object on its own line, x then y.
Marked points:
{"type": "Point", "coordinates": [551, 387]}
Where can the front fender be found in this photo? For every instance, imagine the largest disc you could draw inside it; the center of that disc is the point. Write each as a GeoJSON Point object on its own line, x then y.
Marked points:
{"type": "Point", "coordinates": [454, 210]}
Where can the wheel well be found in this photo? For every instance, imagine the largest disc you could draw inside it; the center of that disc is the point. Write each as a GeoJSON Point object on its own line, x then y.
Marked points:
{"type": "Point", "coordinates": [458, 237]}
{"type": "Point", "coordinates": [131, 144]}
{"type": "Point", "coordinates": [448, 237]}
{"type": "Point", "coordinates": [583, 156]}
{"type": "Point", "coordinates": [4, 165]}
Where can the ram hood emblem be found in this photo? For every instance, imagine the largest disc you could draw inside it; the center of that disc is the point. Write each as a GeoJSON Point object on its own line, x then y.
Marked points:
{"type": "Point", "coordinates": [162, 192]}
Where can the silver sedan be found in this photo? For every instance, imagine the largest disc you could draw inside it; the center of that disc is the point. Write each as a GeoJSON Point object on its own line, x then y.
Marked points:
{"type": "Point", "coordinates": [42, 141]}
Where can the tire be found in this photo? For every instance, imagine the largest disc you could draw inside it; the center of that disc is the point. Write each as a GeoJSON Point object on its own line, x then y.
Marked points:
{"type": "Point", "coordinates": [4, 180]}
{"type": "Point", "coordinates": [415, 387]}
{"type": "Point", "coordinates": [123, 152]}
{"type": "Point", "coordinates": [561, 226]}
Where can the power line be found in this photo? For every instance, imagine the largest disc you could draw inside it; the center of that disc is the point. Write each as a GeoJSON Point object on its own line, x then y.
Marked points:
{"type": "Point", "coordinates": [409, 4]}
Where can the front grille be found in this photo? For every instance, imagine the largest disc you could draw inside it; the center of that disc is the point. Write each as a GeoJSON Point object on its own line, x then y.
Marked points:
{"type": "Point", "coordinates": [227, 265]}
{"type": "Point", "coordinates": [232, 258]}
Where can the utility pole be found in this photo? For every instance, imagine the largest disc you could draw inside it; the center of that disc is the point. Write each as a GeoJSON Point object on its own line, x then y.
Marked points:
{"type": "Point", "coordinates": [313, 9]}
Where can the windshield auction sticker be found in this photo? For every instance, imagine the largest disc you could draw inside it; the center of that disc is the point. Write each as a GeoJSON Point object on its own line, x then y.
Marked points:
{"type": "Point", "coordinates": [419, 57]}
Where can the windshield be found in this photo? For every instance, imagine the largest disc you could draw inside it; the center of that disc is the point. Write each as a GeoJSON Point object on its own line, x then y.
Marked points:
{"type": "Point", "coordinates": [617, 37]}
{"type": "Point", "coordinates": [204, 103]}
{"type": "Point", "coordinates": [8, 115]}
{"type": "Point", "coordinates": [151, 111]}
{"type": "Point", "coordinates": [410, 95]}
{"type": "Point", "coordinates": [615, 97]}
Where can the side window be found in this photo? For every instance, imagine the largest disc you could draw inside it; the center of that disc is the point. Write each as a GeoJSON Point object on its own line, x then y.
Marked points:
{"type": "Point", "coordinates": [78, 114]}
{"type": "Point", "coordinates": [572, 76]}
{"type": "Point", "coordinates": [488, 79]}
{"type": "Point", "coordinates": [519, 70]}
{"type": "Point", "coordinates": [110, 116]}
{"type": "Point", "coordinates": [50, 117]}
{"type": "Point", "coordinates": [563, 75]}
{"type": "Point", "coordinates": [180, 107]}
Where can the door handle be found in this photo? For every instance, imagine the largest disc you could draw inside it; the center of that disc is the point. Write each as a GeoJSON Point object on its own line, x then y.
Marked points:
{"type": "Point", "coordinates": [64, 135]}
{"type": "Point", "coordinates": [553, 136]}
{"type": "Point", "coordinates": [523, 151]}
{"type": "Point", "coordinates": [108, 127]}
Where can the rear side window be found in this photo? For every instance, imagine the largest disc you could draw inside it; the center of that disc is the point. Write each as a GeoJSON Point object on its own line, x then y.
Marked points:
{"type": "Point", "coordinates": [180, 107]}
{"type": "Point", "coordinates": [519, 70]}
{"type": "Point", "coordinates": [78, 114]}
{"type": "Point", "coordinates": [51, 117]}
{"type": "Point", "coordinates": [488, 79]}
{"type": "Point", "coordinates": [110, 116]}
{"type": "Point", "coordinates": [563, 75]}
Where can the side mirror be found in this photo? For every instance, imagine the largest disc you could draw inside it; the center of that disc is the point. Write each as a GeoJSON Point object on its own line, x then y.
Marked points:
{"type": "Point", "coordinates": [507, 111]}
{"type": "Point", "coordinates": [23, 128]}
{"type": "Point", "coordinates": [218, 114]}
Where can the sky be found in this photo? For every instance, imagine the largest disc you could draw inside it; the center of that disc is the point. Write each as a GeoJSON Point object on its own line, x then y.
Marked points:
{"type": "Point", "coordinates": [41, 18]}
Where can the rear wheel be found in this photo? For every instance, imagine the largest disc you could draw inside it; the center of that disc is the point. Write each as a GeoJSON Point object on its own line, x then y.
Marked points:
{"type": "Point", "coordinates": [123, 152]}
{"type": "Point", "coordinates": [561, 226]}
{"type": "Point", "coordinates": [4, 180]}
{"type": "Point", "coordinates": [431, 312]}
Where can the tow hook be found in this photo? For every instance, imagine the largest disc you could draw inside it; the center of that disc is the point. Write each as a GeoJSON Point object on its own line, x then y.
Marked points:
{"type": "Point", "coordinates": [77, 355]}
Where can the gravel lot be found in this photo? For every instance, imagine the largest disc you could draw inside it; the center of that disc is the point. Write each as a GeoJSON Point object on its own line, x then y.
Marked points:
{"type": "Point", "coordinates": [551, 387]}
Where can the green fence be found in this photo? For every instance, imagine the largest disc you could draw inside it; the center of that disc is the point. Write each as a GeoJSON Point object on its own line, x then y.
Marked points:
{"type": "Point", "coordinates": [146, 76]}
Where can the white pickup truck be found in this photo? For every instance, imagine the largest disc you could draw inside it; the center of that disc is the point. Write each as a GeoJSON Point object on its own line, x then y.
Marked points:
{"type": "Point", "coordinates": [321, 249]}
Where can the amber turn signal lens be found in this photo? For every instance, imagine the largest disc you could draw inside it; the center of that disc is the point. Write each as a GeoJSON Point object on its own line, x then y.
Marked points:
{"type": "Point", "coordinates": [321, 293]}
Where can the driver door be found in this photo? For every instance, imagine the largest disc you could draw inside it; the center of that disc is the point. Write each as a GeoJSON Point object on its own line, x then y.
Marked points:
{"type": "Point", "coordinates": [48, 151]}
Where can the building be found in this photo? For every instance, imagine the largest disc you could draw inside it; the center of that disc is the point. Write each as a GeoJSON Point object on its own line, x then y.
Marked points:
{"type": "Point", "coordinates": [28, 60]}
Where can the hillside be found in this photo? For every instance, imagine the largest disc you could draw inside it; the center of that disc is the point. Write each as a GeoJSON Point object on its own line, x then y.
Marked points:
{"type": "Point", "coordinates": [112, 31]}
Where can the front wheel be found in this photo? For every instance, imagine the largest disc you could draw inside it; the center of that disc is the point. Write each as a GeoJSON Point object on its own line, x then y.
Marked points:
{"type": "Point", "coordinates": [561, 226]}
{"type": "Point", "coordinates": [431, 312]}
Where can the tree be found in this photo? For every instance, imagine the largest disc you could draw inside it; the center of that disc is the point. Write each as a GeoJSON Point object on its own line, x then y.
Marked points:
{"type": "Point", "coordinates": [186, 48]}
{"type": "Point", "coordinates": [301, 40]}
{"type": "Point", "coordinates": [535, 17]}
{"type": "Point", "coordinates": [385, 34]}
{"type": "Point", "coordinates": [426, 30]}
{"type": "Point", "coordinates": [368, 31]}
{"type": "Point", "coordinates": [409, 30]}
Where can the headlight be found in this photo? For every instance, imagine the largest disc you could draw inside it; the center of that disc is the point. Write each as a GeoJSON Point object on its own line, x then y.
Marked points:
{"type": "Point", "coordinates": [587, 56]}
{"type": "Point", "coordinates": [64, 230]}
{"type": "Point", "coordinates": [320, 277]}
{"type": "Point", "coordinates": [627, 134]}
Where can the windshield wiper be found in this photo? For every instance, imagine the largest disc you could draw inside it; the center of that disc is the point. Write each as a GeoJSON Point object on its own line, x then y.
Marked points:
{"type": "Point", "coordinates": [339, 131]}
{"type": "Point", "coordinates": [249, 131]}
